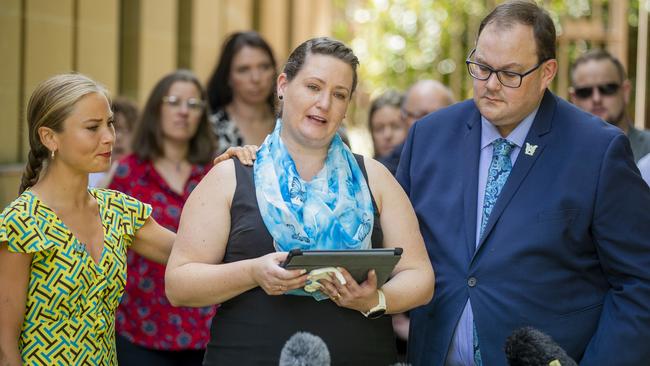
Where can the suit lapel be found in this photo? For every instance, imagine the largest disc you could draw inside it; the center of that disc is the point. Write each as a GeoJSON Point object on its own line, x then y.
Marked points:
{"type": "Point", "coordinates": [471, 154]}
{"type": "Point", "coordinates": [525, 160]}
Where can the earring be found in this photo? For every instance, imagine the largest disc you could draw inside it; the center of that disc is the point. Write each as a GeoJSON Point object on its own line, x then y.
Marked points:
{"type": "Point", "coordinates": [280, 97]}
{"type": "Point", "coordinates": [52, 154]}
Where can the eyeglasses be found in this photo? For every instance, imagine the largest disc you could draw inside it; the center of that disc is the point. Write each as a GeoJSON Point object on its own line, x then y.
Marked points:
{"type": "Point", "coordinates": [192, 104]}
{"type": "Point", "coordinates": [413, 115]}
{"type": "Point", "coordinates": [604, 89]}
{"type": "Point", "coordinates": [509, 79]}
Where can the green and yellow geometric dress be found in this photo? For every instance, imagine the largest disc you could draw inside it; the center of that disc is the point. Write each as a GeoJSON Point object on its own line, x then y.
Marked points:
{"type": "Point", "coordinates": [71, 301]}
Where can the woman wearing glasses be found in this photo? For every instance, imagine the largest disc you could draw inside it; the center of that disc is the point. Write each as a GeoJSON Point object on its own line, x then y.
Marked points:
{"type": "Point", "coordinates": [172, 151]}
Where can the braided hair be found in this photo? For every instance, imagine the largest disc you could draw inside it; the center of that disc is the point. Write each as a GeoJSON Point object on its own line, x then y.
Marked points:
{"type": "Point", "coordinates": [49, 105]}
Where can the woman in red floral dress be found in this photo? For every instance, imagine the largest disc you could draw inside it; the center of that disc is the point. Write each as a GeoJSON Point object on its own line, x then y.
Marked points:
{"type": "Point", "coordinates": [172, 150]}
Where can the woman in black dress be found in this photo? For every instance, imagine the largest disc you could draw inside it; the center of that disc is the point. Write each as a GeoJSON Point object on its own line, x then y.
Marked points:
{"type": "Point", "coordinates": [305, 190]}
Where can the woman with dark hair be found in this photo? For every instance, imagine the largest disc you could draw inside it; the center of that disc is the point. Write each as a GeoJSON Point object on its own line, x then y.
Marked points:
{"type": "Point", "coordinates": [385, 121]}
{"type": "Point", "coordinates": [306, 190]}
{"type": "Point", "coordinates": [240, 91]}
{"type": "Point", "coordinates": [172, 151]}
{"type": "Point", "coordinates": [63, 246]}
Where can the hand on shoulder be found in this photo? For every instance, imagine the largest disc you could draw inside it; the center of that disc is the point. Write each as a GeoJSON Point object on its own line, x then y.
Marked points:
{"type": "Point", "coordinates": [246, 154]}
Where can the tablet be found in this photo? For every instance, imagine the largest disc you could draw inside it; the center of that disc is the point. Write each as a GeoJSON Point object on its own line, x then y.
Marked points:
{"type": "Point", "coordinates": [357, 262]}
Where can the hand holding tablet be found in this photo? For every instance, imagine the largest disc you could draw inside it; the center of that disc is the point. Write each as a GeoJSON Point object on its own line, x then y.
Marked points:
{"type": "Point", "coordinates": [322, 273]}
{"type": "Point", "coordinates": [320, 263]}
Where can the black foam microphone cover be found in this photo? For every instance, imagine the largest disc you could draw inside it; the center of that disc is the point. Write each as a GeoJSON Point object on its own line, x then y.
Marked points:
{"type": "Point", "coordinates": [530, 347]}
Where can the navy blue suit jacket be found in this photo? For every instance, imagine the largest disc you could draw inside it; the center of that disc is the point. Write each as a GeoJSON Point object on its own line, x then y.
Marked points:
{"type": "Point", "coordinates": [566, 248]}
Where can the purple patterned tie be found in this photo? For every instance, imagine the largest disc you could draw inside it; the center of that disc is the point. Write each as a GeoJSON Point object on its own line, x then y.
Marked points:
{"type": "Point", "coordinates": [498, 173]}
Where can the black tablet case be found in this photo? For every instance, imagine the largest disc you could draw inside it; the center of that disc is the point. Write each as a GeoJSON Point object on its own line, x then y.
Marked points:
{"type": "Point", "coordinates": [357, 262]}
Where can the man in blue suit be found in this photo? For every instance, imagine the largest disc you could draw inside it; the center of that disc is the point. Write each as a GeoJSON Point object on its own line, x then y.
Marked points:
{"type": "Point", "coordinates": [533, 212]}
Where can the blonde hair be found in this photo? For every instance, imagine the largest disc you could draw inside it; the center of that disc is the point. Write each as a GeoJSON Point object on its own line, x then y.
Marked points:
{"type": "Point", "coordinates": [50, 104]}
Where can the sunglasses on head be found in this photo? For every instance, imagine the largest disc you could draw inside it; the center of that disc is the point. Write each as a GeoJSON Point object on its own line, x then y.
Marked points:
{"type": "Point", "coordinates": [604, 89]}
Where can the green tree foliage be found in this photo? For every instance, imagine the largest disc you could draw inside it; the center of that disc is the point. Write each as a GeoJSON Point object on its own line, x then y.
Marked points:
{"type": "Point", "coordinates": [401, 41]}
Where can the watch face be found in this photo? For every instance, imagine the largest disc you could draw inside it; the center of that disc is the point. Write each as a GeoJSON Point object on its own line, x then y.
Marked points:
{"type": "Point", "coordinates": [377, 314]}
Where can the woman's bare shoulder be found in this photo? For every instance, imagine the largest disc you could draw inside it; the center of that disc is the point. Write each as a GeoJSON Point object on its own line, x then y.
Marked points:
{"type": "Point", "coordinates": [378, 172]}
{"type": "Point", "coordinates": [381, 181]}
{"type": "Point", "coordinates": [220, 182]}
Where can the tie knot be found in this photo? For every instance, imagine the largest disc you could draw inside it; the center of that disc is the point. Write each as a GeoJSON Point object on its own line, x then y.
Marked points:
{"type": "Point", "coordinates": [502, 147]}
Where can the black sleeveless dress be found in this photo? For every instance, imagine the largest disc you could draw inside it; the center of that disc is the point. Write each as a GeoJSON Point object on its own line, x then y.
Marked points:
{"type": "Point", "coordinates": [252, 328]}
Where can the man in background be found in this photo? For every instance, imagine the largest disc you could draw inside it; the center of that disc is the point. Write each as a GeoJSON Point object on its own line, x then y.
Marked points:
{"type": "Point", "coordinates": [422, 98]}
{"type": "Point", "coordinates": [600, 87]}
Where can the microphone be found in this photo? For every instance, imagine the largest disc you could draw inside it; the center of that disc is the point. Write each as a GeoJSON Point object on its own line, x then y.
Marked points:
{"type": "Point", "coordinates": [530, 347]}
{"type": "Point", "coordinates": [305, 349]}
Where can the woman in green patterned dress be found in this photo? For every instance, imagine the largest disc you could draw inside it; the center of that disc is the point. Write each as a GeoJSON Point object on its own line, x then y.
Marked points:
{"type": "Point", "coordinates": [62, 245]}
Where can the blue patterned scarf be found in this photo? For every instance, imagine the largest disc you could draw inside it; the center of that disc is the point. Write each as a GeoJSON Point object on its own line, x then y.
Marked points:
{"type": "Point", "coordinates": [332, 211]}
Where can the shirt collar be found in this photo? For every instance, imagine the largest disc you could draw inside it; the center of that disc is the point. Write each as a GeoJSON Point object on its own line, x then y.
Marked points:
{"type": "Point", "coordinates": [489, 132]}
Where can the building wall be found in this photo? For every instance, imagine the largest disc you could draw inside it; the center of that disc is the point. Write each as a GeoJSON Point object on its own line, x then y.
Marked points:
{"type": "Point", "coordinates": [127, 45]}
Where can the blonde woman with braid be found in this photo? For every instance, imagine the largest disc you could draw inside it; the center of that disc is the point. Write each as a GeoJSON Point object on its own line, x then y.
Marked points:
{"type": "Point", "coordinates": [62, 245]}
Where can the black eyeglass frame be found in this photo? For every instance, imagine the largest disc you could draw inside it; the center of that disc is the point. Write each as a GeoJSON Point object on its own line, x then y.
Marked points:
{"type": "Point", "coordinates": [469, 62]}
{"type": "Point", "coordinates": [408, 114]}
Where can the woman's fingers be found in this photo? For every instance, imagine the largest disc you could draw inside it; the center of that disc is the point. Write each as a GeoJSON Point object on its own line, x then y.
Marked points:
{"type": "Point", "coordinates": [225, 155]}
{"type": "Point", "coordinates": [372, 280]}
{"type": "Point", "coordinates": [350, 282]}
{"type": "Point", "coordinates": [330, 289]}
{"type": "Point", "coordinates": [351, 295]}
{"type": "Point", "coordinates": [276, 280]}
{"type": "Point", "coordinates": [282, 286]}
{"type": "Point", "coordinates": [252, 151]}
{"type": "Point", "coordinates": [246, 154]}
{"type": "Point", "coordinates": [297, 282]}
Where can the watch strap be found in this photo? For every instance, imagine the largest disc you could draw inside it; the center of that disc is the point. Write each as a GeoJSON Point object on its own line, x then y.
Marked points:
{"type": "Point", "coordinates": [379, 309]}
